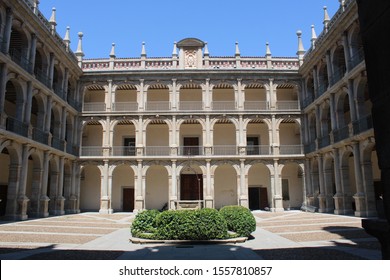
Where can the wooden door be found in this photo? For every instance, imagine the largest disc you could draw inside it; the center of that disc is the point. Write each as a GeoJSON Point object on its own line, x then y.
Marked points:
{"type": "Point", "coordinates": [263, 198]}
{"type": "Point", "coordinates": [254, 198]}
{"type": "Point", "coordinates": [190, 187]}
{"type": "Point", "coordinates": [191, 146]}
{"type": "Point", "coordinates": [128, 200]}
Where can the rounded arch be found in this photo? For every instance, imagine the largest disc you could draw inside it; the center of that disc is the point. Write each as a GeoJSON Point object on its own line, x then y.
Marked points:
{"type": "Point", "coordinates": [343, 111]}
{"type": "Point", "coordinates": [339, 64]}
{"type": "Point", "coordinates": [259, 185]}
{"type": "Point", "coordinates": [223, 95]}
{"type": "Point", "coordinates": [19, 43]}
{"type": "Point", "coordinates": [292, 185]}
{"type": "Point", "coordinates": [90, 188]}
{"type": "Point", "coordinates": [157, 187]}
{"type": "Point", "coordinates": [323, 79]}
{"type": "Point", "coordinates": [15, 96]}
{"type": "Point", "coordinates": [364, 104]}
{"type": "Point", "coordinates": [325, 119]}
{"type": "Point", "coordinates": [123, 178]}
{"type": "Point", "coordinates": [225, 185]}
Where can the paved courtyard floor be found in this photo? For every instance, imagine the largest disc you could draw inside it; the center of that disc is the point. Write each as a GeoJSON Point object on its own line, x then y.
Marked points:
{"type": "Point", "coordinates": [290, 235]}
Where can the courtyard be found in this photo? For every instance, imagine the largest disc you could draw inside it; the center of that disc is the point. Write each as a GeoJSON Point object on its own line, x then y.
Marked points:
{"type": "Point", "coordinates": [289, 235]}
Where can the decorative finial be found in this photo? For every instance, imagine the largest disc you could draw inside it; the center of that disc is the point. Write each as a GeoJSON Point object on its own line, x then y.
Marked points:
{"type": "Point", "coordinates": [112, 53]}
{"type": "Point", "coordinates": [237, 49]}
{"type": "Point", "coordinates": [326, 18]}
{"type": "Point", "coordinates": [52, 21]}
{"type": "Point", "coordinates": [267, 49]}
{"type": "Point", "coordinates": [206, 49]}
{"type": "Point", "coordinates": [313, 36]}
{"type": "Point", "coordinates": [36, 6]}
{"type": "Point", "coordinates": [67, 38]}
{"type": "Point", "coordinates": [301, 49]}
{"type": "Point", "coordinates": [174, 52]}
{"type": "Point", "coordinates": [342, 4]}
{"type": "Point", "coordinates": [79, 51]}
{"type": "Point", "coordinates": [143, 51]}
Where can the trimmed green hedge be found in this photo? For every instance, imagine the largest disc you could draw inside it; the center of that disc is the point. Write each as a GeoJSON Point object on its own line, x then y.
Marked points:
{"type": "Point", "coordinates": [239, 219]}
{"type": "Point", "coordinates": [201, 224]}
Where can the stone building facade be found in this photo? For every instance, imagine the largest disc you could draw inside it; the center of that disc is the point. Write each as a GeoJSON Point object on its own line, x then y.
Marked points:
{"type": "Point", "coordinates": [188, 130]}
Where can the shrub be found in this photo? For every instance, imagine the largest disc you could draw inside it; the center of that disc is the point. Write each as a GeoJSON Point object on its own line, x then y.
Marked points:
{"type": "Point", "coordinates": [203, 224]}
{"type": "Point", "coordinates": [239, 219]}
{"type": "Point", "coordinates": [144, 224]}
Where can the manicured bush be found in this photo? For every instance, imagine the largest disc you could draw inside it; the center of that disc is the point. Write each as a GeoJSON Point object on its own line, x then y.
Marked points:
{"type": "Point", "coordinates": [203, 224]}
{"type": "Point", "coordinates": [239, 219]}
{"type": "Point", "coordinates": [144, 224]}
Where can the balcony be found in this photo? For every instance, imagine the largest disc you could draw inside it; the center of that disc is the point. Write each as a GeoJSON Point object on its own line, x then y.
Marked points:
{"type": "Point", "coordinates": [290, 150]}
{"type": "Point", "coordinates": [287, 105]}
{"type": "Point", "coordinates": [357, 58]}
{"type": "Point", "coordinates": [220, 150]}
{"type": "Point", "coordinates": [191, 150]}
{"type": "Point", "coordinates": [158, 106]}
{"type": "Point", "coordinates": [19, 58]}
{"type": "Point", "coordinates": [17, 126]}
{"type": "Point", "coordinates": [256, 150]}
{"type": "Point", "coordinates": [41, 75]}
{"type": "Point", "coordinates": [91, 151]}
{"type": "Point", "coordinates": [256, 105]}
{"type": "Point", "coordinates": [324, 141]}
{"type": "Point", "coordinates": [223, 105]}
{"type": "Point", "coordinates": [190, 105]}
{"type": "Point", "coordinates": [341, 134]}
{"type": "Point", "coordinates": [58, 143]}
{"type": "Point", "coordinates": [362, 124]}
{"type": "Point", "coordinates": [124, 106]}
{"type": "Point", "coordinates": [40, 136]}
{"type": "Point", "coordinates": [94, 107]}
{"type": "Point", "coordinates": [120, 151]}
{"type": "Point", "coordinates": [157, 151]}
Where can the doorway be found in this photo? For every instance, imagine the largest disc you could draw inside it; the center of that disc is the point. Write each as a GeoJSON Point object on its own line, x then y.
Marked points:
{"type": "Point", "coordinates": [258, 198]}
{"type": "Point", "coordinates": [191, 187]}
{"type": "Point", "coordinates": [252, 144]}
{"type": "Point", "coordinates": [191, 146]}
{"type": "Point", "coordinates": [128, 200]}
{"type": "Point", "coordinates": [129, 146]}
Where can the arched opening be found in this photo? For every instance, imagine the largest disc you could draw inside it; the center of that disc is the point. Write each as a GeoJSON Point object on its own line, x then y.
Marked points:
{"type": "Point", "coordinates": [190, 97]}
{"type": "Point", "coordinates": [223, 97]}
{"type": "Point", "coordinates": [191, 138]}
{"type": "Point", "coordinates": [329, 185]}
{"type": "Point", "coordinates": [41, 67]}
{"type": "Point", "coordinates": [92, 139]}
{"type": "Point", "coordinates": [37, 119]}
{"type": "Point", "coordinates": [255, 97]}
{"type": "Point", "coordinates": [312, 128]}
{"type": "Point", "coordinates": [5, 162]}
{"type": "Point", "coordinates": [348, 182]}
{"type": "Point", "coordinates": [310, 92]}
{"type": "Point", "coordinates": [157, 187]}
{"type": "Point", "coordinates": [123, 188]}
{"type": "Point", "coordinates": [157, 139]}
{"type": "Point", "coordinates": [326, 126]}
{"type": "Point", "coordinates": [124, 142]}
{"type": "Point", "coordinates": [224, 136]}
{"type": "Point", "coordinates": [52, 184]}
{"type": "Point", "coordinates": [290, 137]}
{"type": "Point", "coordinates": [356, 45]}
{"type": "Point", "coordinates": [339, 65]}
{"type": "Point", "coordinates": [259, 187]}
{"type": "Point", "coordinates": [225, 186]}
{"type": "Point", "coordinates": [287, 97]}
{"type": "Point", "coordinates": [157, 98]}
{"type": "Point", "coordinates": [55, 129]}
{"type": "Point", "coordinates": [14, 108]}
{"type": "Point", "coordinates": [18, 48]}
{"type": "Point", "coordinates": [71, 94]}
{"type": "Point", "coordinates": [125, 99]}
{"type": "Point", "coordinates": [58, 79]}
{"type": "Point", "coordinates": [257, 138]}
{"type": "Point", "coordinates": [69, 133]}
{"type": "Point", "coordinates": [94, 99]}
{"type": "Point", "coordinates": [323, 80]}
{"type": "Point", "coordinates": [33, 186]}
{"type": "Point", "coordinates": [373, 187]}
{"type": "Point", "coordinates": [292, 186]}
{"type": "Point", "coordinates": [90, 188]}
{"type": "Point", "coordinates": [364, 104]}
{"type": "Point", "coordinates": [67, 187]}
{"type": "Point", "coordinates": [314, 191]}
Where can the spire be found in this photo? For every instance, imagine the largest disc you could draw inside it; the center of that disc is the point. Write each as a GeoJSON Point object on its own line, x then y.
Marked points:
{"type": "Point", "coordinates": [301, 50]}
{"type": "Point", "coordinates": [67, 38]}
{"type": "Point", "coordinates": [174, 52]}
{"type": "Point", "coordinates": [143, 51]}
{"type": "Point", "coordinates": [79, 53]}
{"type": "Point", "coordinates": [206, 49]}
{"type": "Point", "coordinates": [313, 36]}
{"type": "Point", "coordinates": [326, 19]}
{"type": "Point", "coordinates": [267, 49]}
{"type": "Point", "coordinates": [52, 20]}
{"type": "Point", "coordinates": [36, 6]}
{"type": "Point", "coordinates": [112, 53]}
{"type": "Point", "coordinates": [342, 5]}
{"type": "Point", "coordinates": [237, 50]}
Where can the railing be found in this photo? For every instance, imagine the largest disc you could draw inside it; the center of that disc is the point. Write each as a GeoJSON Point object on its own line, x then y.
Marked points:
{"type": "Point", "coordinates": [60, 92]}
{"type": "Point", "coordinates": [94, 107]}
{"type": "Point", "coordinates": [290, 150]}
{"type": "Point", "coordinates": [287, 105]}
{"type": "Point", "coordinates": [338, 74]}
{"type": "Point", "coordinates": [72, 102]}
{"type": "Point", "coordinates": [324, 141]}
{"type": "Point", "coordinates": [157, 151]}
{"type": "Point", "coordinates": [17, 126]}
{"type": "Point", "coordinates": [58, 143]}
{"type": "Point", "coordinates": [123, 151]}
{"type": "Point", "coordinates": [190, 105]}
{"type": "Point", "coordinates": [42, 76]}
{"type": "Point", "coordinates": [307, 101]}
{"type": "Point", "coordinates": [256, 105]}
{"type": "Point", "coordinates": [310, 147]}
{"type": "Point", "coordinates": [158, 106]}
{"type": "Point", "coordinates": [124, 106]}
{"type": "Point", "coordinates": [322, 88]}
{"type": "Point", "coordinates": [357, 58]}
{"type": "Point", "coordinates": [341, 134]}
{"type": "Point", "coordinates": [40, 136]}
{"type": "Point", "coordinates": [362, 124]}
{"type": "Point", "coordinates": [19, 58]}
{"type": "Point", "coordinates": [190, 150]}
{"type": "Point", "coordinates": [255, 150]}
{"type": "Point", "coordinates": [219, 150]}
{"type": "Point", "coordinates": [92, 151]}
{"type": "Point", "coordinates": [224, 105]}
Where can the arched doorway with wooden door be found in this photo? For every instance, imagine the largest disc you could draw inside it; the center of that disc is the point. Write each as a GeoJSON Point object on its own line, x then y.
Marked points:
{"type": "Point", "coordinates": [191, 191]}
{"type": "Point", "coordinates": [123, 188]}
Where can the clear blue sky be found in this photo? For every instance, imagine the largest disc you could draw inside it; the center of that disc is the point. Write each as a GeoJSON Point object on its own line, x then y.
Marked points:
{"type": "Point", "coordinates": [161, 22]}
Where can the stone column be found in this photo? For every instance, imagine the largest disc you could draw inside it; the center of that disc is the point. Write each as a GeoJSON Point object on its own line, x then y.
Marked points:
{"type": "Point", "coordinates": [277, 198]}
{"type": "Point", "coordinates": [139, 199]}
{"type": "Point", "coordinates": [207, 96]}
{"type": "Point", "coordinates": [322, 196]}
{"type": "Point", "coordinates": [209, 198]}
{"type": "Point", "coordinates": [347, 54]}
{"type": "Point", "coordinates": [359, 196]}
{"type": "Point", "coordinates": [12, 211]}
{"type": "Point", "coordinates": [33, 49]}
{"type": "Point", "coordinates": [36, 191]}
{"type": "Point", "coordinates": [108, 96]}
{"type": "Point", "coordinates": [59, 198]}
{"type": "Point", "coordinates": [351, 99]}
{"type": "Point", "coordinates": [44, 199]}
{"type": "Point", "coordinates": [173, 96]}
{"type": "Point", "coordinates": [244, 198]}
{"type": "Point", "coordinates": [173, 185]}
{"type": "Point", "coordinates": [309, 187]}
{"type": "Point", "coordinates": [3, 85]}
{"type": "Point", "coordinates": [72, 199]}
{"type": "Point", "coordinates": [141, 96]}
{"type": "Point", "coordinates": [48, 113]}
{"type": "Point", "coordinates": [240, 96]}
{"type": "Point", "coordinates": [104, 192]}
{"type": "Point", "coordinates": [368, 185]}
{"type": "Point", "coordinates": [328, 183]}
{"type": "Point", "coordinates": [329, 68]}
{"type": "Point", "coordinates": [271, 94]}
{"type": "Point", "coordinates": [7, 30]}
{"type": "Point", "coordinates": [22, 198]}
{"type": "Point", "coordinates": [315, 81]}
{"type": "Point", "coordinates": [51, 69]}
